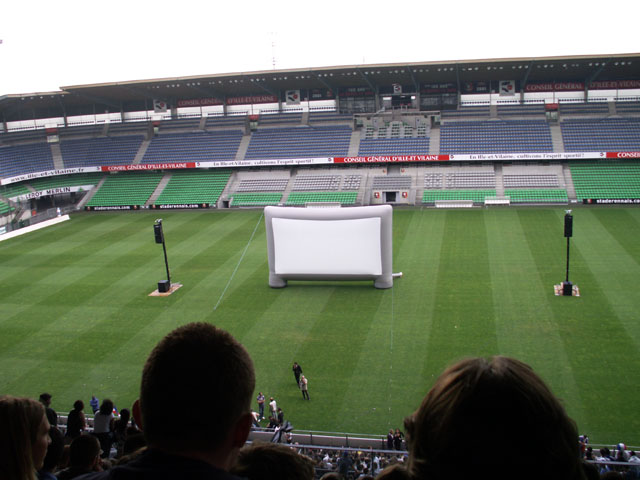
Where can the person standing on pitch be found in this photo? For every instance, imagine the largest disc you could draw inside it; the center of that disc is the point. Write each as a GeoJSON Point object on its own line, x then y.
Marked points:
{"type": "Point", "coordinates": [260, 400]}
{"type": "Point", "coordinates": [297, 371]}
{"type": "Point", "coordinates": [304, 387]}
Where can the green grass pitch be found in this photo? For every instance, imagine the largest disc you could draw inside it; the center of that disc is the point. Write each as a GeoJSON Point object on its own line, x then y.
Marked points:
{"type": "Point", "coordinates": [76, 318]}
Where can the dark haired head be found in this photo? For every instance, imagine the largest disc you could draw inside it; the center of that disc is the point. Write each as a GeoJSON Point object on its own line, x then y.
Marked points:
{"type": "Point", "coordinates": [272, 461]}
{"type": "Point", "coordinates": [503, 402]}
{"type": "Point", "coordinates": [78, 405]}
{"type": "Point", "coordinates": [106, 407]}
{"type": "Point", "coordinates": [202, 372]}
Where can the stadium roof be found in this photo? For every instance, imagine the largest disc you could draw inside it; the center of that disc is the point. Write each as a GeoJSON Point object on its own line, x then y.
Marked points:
{"type": "Point", "coordinates": [137, 95]}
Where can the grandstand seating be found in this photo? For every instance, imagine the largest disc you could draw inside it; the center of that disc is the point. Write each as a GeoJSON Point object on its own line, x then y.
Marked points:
{"type": "Point", "coordinates": [126, 188]}
{"type": "Point", "coordinates": [470, 179]}
{"type": "Point", "coordinates": [606, 134]}
{"type": "Point", "coordinates": [21, 159]}
{"type": "Point", "coordinates": [394, 146]}
{"type": "Point", "coordinates": [94, 129]}
{"type": "Point", "coordinates": [299, 142]}
{"type": "Point", "coordinates": [582, 108]}
{"type": "Point", "coordinates": [186, 123]}
{"type": "Point", "coordinates": [280, 118]}
{"type": "Point", "coordinates": [129, 128]}
{"type": "Point", "coordinates": [506, 110]}
{"type": "Point", "coordinates": [391, 182]}
{"type": "Point", "coordinates": [477, 196]}
{"type": "Point", "coordinates": [100, 151]}
{"type": "Point", "coordinates": [628, 108]}
{"type": "Point", "coordinates": [533, 180]}
{"type": "Point", "coordinates": [66, 181]}
{"type": "Point", "coordinates": [537, 195]}
{"type": "Point", "coordinates": [301, 198]}
{"type": "Point", "coordinates": [613, 179]}
{"type": "Point", "coordinates": [262, 185]}
{"type": "Point", "coordinates": [319, 116]}
{"type": "Point", "coordinates": [226, 121]}
{"type": "Point", "coordinates": [193, 147]}
{"type": "Point", "coordinates": [194, 186]}
{"type": "Point", "coordinates": [467, 111]}
{"type": "Point", "coordinates": [495, 136]}
{"type": "Point", "coordinates": [316, 182]}
{"type": "Point", "coordinates": [255, 199]}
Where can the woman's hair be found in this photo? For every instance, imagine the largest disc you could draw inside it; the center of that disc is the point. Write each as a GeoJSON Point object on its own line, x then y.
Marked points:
{"type": "Point", "coordinates": [20, 421]}
{"type": "Point", "coordinates": [106, 407]}
{"type": "Point", "coordinates": [78, 405]}
{"type": "Point", "coordinates": [502, 415]}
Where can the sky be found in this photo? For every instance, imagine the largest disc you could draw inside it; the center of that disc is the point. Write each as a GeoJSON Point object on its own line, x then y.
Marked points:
{"type": "Point", "coordinates": [47, 45]}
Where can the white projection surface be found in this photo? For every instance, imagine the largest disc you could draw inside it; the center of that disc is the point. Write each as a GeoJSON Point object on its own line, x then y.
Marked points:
{"type": "Point", "coordinates": [343, 244]}
{"type": "Point", "coordinates": [341, 247]}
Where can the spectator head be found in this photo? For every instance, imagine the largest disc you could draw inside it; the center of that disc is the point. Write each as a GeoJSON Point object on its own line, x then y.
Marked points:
{"type": "Point", "coordinates": [55, 450]}
{"type": "Point", "coordinates": [24, 437]}
{"type": "Point", "coordinates": [106, 407]}
{"type": "Point", "coordinates": [84, 451]}
{"type": "Point", "coordinates": [45, 399]}
{"type": "Point", "coordinates": [272, 461]}
{"type": "Point", "coordinates": [78, 405]}
{"type": "Point", "coordinates": [203, 373]}
{"type": "Point", "coordinates": [505, 404]}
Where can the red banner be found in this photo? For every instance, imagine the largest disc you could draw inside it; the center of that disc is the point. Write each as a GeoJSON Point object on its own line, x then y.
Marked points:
{"type": "Point", "coordinates": [623, 154]}
{"type": "Point", "coordinates": [392, 159]}
{"type": "Point", "coordinates": [147, 166]}
{"type": "Point", "coordinates": [199, 102]}
{"type": "Point", "coordinates": [252, 99]}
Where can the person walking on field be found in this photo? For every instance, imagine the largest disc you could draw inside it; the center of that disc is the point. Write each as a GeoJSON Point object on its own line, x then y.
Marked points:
{"type": "Point", "coordinates": [297, 371]}
{"type": "Point", "coordinates": [304, 386]}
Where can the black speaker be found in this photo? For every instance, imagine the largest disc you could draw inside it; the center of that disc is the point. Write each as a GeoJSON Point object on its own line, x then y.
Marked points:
{"type": "Point", "coordinates": [164, 286]}
{"type": "Point", "coordinates": [568, 225]}
{"type": "Point", "coordinates": [157, 231]}
{"type": "Point", "coordinates": [567, 289]}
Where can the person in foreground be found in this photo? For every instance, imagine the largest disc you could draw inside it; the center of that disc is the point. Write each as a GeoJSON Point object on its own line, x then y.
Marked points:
{"type": "Point", "coordinates": [492, 417]}
{"type": "Point", "coordinates": [24, 438]}
{"type": "Point", "coordinates": [204, 373]}
{"type": "Point", "coordinates": [273, 461]}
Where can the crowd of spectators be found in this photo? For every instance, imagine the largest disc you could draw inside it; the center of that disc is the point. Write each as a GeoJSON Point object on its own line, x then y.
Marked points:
{"type": "Point", "coordinates": [500, 399]}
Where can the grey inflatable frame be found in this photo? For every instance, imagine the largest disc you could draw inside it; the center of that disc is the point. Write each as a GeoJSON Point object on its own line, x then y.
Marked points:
{"type": "Point", "coordinates": [385, 212]}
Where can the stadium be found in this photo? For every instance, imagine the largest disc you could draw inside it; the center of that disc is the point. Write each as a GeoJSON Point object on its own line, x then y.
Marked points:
{"type": "Point", "coordinates": [479, 159]}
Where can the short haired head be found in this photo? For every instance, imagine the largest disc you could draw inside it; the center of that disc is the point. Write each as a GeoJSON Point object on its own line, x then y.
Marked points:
{"type": "Point", "coordinates": [78, 405]}
{"type": "Point", "coordinates": [45, 398]}
{"type": "Point", "coordinates": [205, 374]}
{"type": "Point", "coordinates": [20, 421]}
{"type": "Point", "coordinates": [505, 404]}
{"type": "Point", "coordinates": [84, 450]}
{"type": "Point", "coordinates": [272, 461]}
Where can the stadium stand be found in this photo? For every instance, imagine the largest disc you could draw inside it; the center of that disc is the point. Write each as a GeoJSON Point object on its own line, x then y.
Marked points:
{"type": "Point", "coordinates": [100, 151]}
{"type": "Point", "coordinates": [321, 116]}
{"type": "Point", "coordinates": [536, 195]}
{"type": "Point", "coordinates": [495, 136]}
{"type": "Point", "coordinates": [506, 110]}
{"type": "Point", "coordinates": [194, 187]}
{"type": "Point", "coordinates": [477, 196]}
{"type": "Point", "coordinates": [302, 198]}
{"type": "Point", "coordinates": [193, 147]}
{"type": "Point", "coordinates": [254, 199]}
{"type": "Point", "coordinates": [21, 159]}
{"type": "Point", "coordinates": [126, 188]}
{"type": "Point", "coordinates": [606, 179]}
{"type": "Point", "coordinates": [299, 142]}
{"type": "Point", "coordinates": [394, 146]}
{"type": "Point", "coordinates": [592, 135]}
